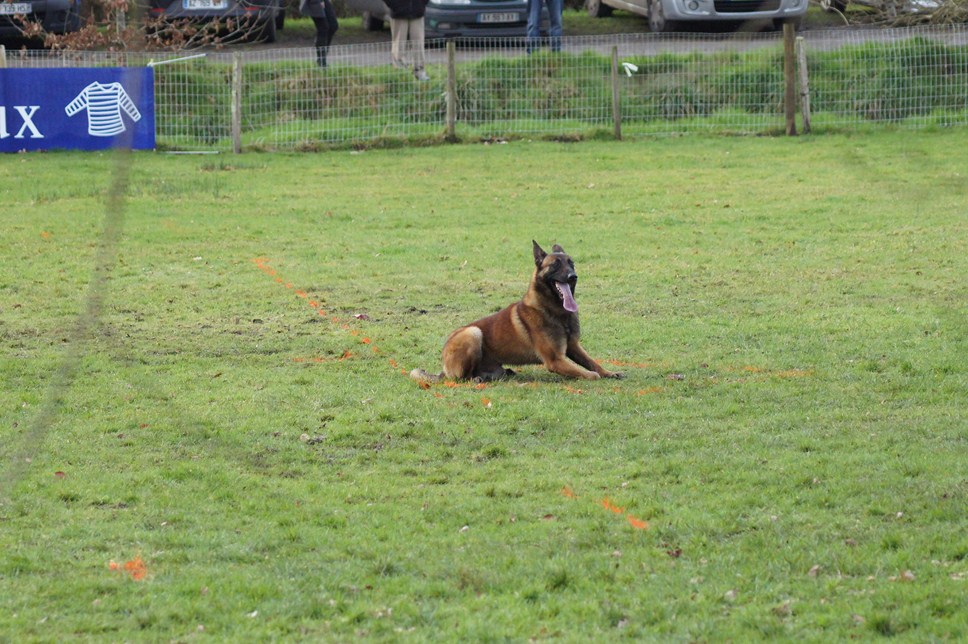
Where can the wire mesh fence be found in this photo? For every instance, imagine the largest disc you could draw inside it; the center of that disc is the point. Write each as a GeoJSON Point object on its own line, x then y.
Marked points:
{"type": "Point", "coordinates": [654, 84]}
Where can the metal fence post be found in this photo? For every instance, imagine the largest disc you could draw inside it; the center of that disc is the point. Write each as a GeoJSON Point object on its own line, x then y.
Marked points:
{"type": "Point", "coordinates": [3, 56]}
{"type": "Point", "coordinates": [789, 76]}
{"type": "Point", "coordinates": [236, 103]}
{"type": "Point", "coordinates": [616, 97]}
{"type": "Point", "coordinates": [451, 92]}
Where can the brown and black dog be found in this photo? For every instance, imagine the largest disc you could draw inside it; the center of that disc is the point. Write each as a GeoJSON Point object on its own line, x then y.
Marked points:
{"type": "Point", "coordinates": [542, 328]}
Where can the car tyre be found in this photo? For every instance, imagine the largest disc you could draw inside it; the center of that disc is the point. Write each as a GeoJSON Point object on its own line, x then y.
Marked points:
{"type": "Point", "coordinates": [371, 22]}
{"type": "Point", "coordinates": [597, 9]}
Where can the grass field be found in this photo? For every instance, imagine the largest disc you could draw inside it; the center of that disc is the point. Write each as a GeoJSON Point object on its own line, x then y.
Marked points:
{"type": "Point", "coordinates": [206, 433]}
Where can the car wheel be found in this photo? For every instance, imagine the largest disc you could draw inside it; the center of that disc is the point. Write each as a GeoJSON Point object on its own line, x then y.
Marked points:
{"type": "Point", "coordinates": [833, 5]}
{"type": "Point", "coordinates": [657, 20]}
{"type": "Point", "coordinates": [371, 22]}
{"type": "Point", "coordinates": [268, 32]}
{"type": "Point", "coordinates": [597, 9]}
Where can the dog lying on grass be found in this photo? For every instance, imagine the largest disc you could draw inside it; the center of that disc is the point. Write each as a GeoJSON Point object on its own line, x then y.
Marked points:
{"type": "Point", "coordinates": [541, 328]}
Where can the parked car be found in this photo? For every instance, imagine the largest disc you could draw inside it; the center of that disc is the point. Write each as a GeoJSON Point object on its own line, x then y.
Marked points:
{"type": "Point", "coordinates": [464, 19]}
{"type": "Point", "coordinates": [55, 16]}
{"type": "Point", "coordinates": [260, 18]}
{"type": "Point", "coordinates": [668, 15]}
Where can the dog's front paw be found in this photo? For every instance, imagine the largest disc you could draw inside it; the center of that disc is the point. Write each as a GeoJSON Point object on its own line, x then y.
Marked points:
{"type": "Point", "coordinates": [614, 374]}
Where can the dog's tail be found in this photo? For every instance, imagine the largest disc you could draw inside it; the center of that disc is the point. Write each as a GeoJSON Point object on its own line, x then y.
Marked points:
{"type": "Point", "coordinates": [420, 375]}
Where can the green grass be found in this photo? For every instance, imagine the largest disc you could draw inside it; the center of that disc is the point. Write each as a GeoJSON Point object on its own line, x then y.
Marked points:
{"type": "Point", "coordinates": [790, 315]}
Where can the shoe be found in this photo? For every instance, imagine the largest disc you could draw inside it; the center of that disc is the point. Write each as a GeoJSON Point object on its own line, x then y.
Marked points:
{"type": "Point", "coordinates": [421, 75]}
{"type": "Point", "coordinates": [399, 64]}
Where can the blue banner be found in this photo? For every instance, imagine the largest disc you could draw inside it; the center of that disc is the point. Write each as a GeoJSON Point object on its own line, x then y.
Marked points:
{"type": "Point", "coordinates": [87, 108]}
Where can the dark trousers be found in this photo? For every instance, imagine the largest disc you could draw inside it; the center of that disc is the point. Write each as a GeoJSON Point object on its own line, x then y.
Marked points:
{"type": "Point", "coordinates": [326, 27]}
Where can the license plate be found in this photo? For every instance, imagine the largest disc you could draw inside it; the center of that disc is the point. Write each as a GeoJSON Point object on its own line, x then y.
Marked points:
{"type": "Point", "coordinates": [15, 8]}
{"type": "Point", "coordinates": [204, 4]}
{"type": "Point", "coordinates": [497, 17]}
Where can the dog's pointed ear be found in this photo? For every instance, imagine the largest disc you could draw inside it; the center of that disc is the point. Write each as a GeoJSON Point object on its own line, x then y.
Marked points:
{"type": "Point", "coordinates": [557, 249]}
{"type": "Point", "coordinates": [539, 255]}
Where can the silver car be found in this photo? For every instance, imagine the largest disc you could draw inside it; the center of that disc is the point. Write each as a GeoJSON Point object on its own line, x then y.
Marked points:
{"type": "Point", "coordinates": [667, 15]}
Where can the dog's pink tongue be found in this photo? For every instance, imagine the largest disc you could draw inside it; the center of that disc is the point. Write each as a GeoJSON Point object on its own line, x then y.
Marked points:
{"type": "Point", "coordinates": [567, 299]}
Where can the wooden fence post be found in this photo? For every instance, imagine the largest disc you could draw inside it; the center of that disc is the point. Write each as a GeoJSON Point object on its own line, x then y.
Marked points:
{"type": "Point", "coordinates": [804, 83]}
{"type": "Point", "coordinates": [236, 103]}
{"type": "Point", "coordinates": [790, 77]}
{"type": "Point", "coordinates": [451, 116]}
{"type": "Point", "coordinates": [616, 97]}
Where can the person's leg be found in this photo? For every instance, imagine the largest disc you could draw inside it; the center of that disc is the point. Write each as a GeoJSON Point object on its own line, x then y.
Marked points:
{"type": "Point", "coordinates": [322, 39]}
{"type": "Point", "coordinates": [534, 25]}
{"type": "Point", "coordinates": [398, 41]}
{"type": "Point", "coordinates": [331, 20]}
{"type": "Point", "coordinates": [417, 45]}
{"type": "Point", "coordinates": [555, 8]}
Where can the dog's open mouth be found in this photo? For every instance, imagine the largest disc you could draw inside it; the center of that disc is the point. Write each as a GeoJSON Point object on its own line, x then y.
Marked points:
{"type": "Point", "coordinates": [567, 299]}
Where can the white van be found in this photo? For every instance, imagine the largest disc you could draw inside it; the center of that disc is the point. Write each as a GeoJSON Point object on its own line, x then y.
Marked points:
{"type": "Point", "coordinates": [666, 15]}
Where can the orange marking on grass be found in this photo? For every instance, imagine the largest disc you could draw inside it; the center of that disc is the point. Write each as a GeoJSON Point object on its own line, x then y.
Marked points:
{"type": "Point", "coordinates": [635, 522]}
{"type": "Point", "coordinates": [638, 524]}
{"type": "Point", "coordinates": [608, 505]}
{"type": "Point", "coordinates": [136, 568]}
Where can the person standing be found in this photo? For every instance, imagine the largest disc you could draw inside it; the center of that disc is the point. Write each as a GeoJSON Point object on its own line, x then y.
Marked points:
{"type": "Point", "coordinates": [321, 11]}
{"type": "Point", "coordinates": [534, 23]}
{"type": "Point", "coordinates": [407, 32]}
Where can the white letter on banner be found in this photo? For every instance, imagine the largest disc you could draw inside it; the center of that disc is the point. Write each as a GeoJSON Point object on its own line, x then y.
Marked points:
{"type": "Point", "coordinates": [27, 112]}
{"type": "Point", "coordinates": [3, 123]}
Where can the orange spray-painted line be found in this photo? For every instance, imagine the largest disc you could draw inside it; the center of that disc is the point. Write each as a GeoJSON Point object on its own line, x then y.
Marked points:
{"type": "Point", "coordinates": [635, 522]}
{"type": "Point", "coordinates": [135, 567]}
{"type": "Point", "coordinates": [262, 263]}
